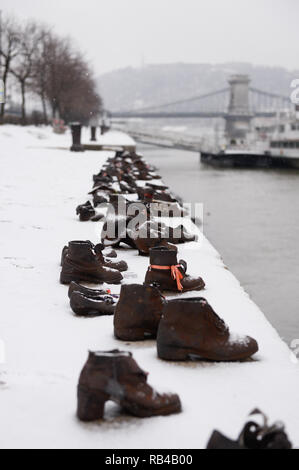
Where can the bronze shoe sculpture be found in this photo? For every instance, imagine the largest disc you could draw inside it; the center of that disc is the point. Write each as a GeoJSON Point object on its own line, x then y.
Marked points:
{"type": "Point", "coordinates": [119, 265]}
{"type": "Point", "coordinates": [254, 436]}
{"type": "Point", "coordinates": [138, 312]}
{"type": "Point", "coordinates": [168, 274]}
{"type": "Point", "coordinates": [92, 306]}
{"type": "Point", "coordinates": [103, 259]}
{"type": "Point", "coordinates": [81, 264]}
{"type": "Point", "coordinates": [114, 375]}
{"type": "Point", "coordinates": [85, 211]}
{"type": "Point", "coordinates": [91, 293]}
{"type": "Point", "coordinates": [190, 329]}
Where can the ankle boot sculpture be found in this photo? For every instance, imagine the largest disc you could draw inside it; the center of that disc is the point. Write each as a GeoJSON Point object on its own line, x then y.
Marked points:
{"type": "Point", "coordinates": [102, 255]}
{"type": "Point", "coordinates": [253, 437]}
{"type": "Point", "coordinates": [114, 375]}
{"type": "Point", "coordinates": [138, 312]}
{"type": "Point", "coordinates": [81, 264]}
{"type": "Point", "coordinates": [85, 211]}
{"type": "Point", "coordinates": [168, 274]}
{"type": "Point", "coordinates": [85, 306]}
{"type": "Point", "coordinates": [190, 329]}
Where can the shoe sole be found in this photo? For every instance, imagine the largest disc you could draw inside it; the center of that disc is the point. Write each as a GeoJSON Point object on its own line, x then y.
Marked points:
{"type": "Point", "coordinates": [89, 313]}
{"type": "Point", "coordinates": [171, 353]}
{"type": "Point", "coordinates": [183, 291]}
{"type": "Point", "coordinates": [68, 278]}
{"type": "Point", "coordinates": [91, 406]}
{"type": "Point", "coordinates": [134, 334]}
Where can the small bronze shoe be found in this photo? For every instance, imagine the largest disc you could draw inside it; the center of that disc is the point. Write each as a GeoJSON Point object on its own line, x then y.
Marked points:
{"type": "Point", "coordinates": [91, 293]}
{"type": "Point", "coordinates": [85, 211]}
{"type": "Point", "coordinates": [92, 306]}
{"type": "Point", "coordinates": [254, 436]}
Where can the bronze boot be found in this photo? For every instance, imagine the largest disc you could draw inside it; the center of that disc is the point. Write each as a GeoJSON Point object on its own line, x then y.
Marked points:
{"type": "Point", "coordinates": [119, 265]}
{"type": "Point", "coordinates": [138, 312]}
{"type": "Point", "coordinates": [92, 306]}
{"type": "Point", "coordinates": [190, 328]}
{"type": "Point", "coordinates": [168, 274]}
{"type": "Point", "coordinates": [63, 254]}
{"type": "Point", "coordinates": [65, 251]}
{"type": "Point", "coordinates": [85, 211]}
{"type": "Point", "coordinates": [114, 375]}
{"type": "Point", "coordinates": [99, 248]}
{"type": "Point", "coordinates": [81, 264]}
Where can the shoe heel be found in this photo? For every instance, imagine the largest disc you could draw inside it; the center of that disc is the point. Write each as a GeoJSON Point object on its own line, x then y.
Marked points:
{"type": "Point", "coordinates": [90, 405]}
{"type": "Point", "coordinates": [170, 353]}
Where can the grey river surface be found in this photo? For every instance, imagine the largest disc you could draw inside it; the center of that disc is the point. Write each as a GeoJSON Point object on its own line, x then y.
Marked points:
{"type": "Point", "coordinates": [252, 218]}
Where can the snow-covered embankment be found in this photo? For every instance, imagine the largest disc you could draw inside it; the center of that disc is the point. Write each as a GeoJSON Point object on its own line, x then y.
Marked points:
{"type": "Point", "coordinates": [46, 346]}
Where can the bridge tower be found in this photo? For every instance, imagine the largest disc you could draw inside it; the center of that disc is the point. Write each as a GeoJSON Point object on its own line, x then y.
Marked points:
{"type": "Point", "coordinates": [238, 117]}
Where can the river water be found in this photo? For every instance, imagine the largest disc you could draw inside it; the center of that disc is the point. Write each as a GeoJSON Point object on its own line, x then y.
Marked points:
{"type": "Point", "coordinates": [252, 218]}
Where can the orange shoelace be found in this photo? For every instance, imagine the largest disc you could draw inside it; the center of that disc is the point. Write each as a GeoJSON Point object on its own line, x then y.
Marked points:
{"type": "Point", "coordinates": [175, 273]}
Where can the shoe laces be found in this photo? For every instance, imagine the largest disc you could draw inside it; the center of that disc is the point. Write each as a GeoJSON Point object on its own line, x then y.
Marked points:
{"type": "Point", "coordinates": [217, 321]}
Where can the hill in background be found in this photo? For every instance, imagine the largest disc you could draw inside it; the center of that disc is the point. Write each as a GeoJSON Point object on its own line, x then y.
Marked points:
{"type": "Point", "coordinates": [132, 88]}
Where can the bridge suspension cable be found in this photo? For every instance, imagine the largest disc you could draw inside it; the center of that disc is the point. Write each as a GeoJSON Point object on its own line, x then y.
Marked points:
{"type": "Point", "coordinates": [261, 103]}
{"type": "Point", "coordinates": [270, 95]}
{"type": "Point", "coordinates": [174, 103]}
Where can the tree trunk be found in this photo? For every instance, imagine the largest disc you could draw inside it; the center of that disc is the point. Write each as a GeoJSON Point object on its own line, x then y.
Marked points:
{"type": "Point", "coordinates": [45, 114]}
{"type": "Point", "coordinates": [23, 93]}
{"type": "Point", "coordinates": [5, 75]}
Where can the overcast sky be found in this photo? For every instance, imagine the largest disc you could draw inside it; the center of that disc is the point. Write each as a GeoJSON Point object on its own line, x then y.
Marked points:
{"type": "Point", "coordinates": [120, 33]}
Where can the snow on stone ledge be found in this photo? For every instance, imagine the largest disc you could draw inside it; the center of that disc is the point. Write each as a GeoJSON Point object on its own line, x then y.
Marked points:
{"type": "Point", "coordinates": [46, 346]}
{"type": "Point", "coordinates": [115, 138]}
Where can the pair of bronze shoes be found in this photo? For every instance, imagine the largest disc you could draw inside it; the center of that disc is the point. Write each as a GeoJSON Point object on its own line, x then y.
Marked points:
{"type": "Point", "coordinates": [87, 302]}
{"type": "Point", "coordinates": [82, 261]}
{"type": "Point", "coordinates": [185, 328]}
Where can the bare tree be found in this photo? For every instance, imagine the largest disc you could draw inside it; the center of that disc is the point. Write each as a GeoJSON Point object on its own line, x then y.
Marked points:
{"type": "Point", "coordinates": [10, 49]}
{"type": "Point", "coordinates": [70, 88]}
{"type": "Point", "coordinates": [23, 69]}
{"type": "Point", "coordinates": [48, 66]}
{"type": "Point", "coordinates": [41, 69]}
{"type": "Point", "coordinates": [80, 99]}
